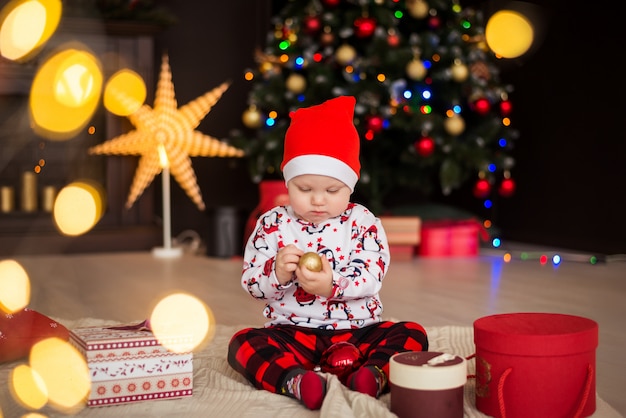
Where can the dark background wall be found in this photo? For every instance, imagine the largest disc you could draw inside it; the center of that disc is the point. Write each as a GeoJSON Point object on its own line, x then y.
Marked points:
{"type": "Point", "coordinates": [569, 108]}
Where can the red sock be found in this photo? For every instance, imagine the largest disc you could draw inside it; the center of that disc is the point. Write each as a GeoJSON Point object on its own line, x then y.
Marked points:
{"type": "Point", "coordinates": [368, 380]}
{"type": "Point", "coordinates": [308, 387]}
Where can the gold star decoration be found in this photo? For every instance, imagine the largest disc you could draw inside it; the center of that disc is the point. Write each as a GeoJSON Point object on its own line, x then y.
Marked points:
{"type": "Point", "coordinates": [172, 130]}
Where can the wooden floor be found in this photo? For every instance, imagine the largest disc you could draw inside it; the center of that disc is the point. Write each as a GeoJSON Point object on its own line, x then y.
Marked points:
{"type": "Point", "coordinates": [432, 291]}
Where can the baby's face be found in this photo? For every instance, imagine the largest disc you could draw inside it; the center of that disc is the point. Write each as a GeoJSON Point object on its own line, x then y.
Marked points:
{"type": "Point", "coordinates": [315, 198]}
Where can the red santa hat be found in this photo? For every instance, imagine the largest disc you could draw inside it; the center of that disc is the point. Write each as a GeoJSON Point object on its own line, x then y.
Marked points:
{"type": "Point", "coordinates": [322, 140]}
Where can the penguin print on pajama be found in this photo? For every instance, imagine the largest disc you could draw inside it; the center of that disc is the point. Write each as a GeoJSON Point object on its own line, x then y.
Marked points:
{"type": "Point", "coordinates": [370, 241]}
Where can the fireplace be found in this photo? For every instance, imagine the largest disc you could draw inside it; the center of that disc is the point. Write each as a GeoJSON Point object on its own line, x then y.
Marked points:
{"type": "Point", "coordinates": [33, 169]}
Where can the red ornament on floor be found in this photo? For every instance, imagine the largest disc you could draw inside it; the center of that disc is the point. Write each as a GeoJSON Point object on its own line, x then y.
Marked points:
{"type": "Point", "coordinates": [341, 359]}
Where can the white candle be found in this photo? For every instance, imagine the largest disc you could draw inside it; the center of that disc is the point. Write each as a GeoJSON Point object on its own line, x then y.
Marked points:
{"type": "Point", "coordinates": [166, 251]}
{"type": "Point", "coordinates": [167, 225]}
{"type": "Point", "coordinates": [29, 191]}
{"type": "Point", "coordinates": [47, 198]}
{"type": "Point", "coordinates": [7, 199]}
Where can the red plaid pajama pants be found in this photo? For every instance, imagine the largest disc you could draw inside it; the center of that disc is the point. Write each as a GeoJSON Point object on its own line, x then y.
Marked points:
{"type": "Point", "coordinates": [265, 356]}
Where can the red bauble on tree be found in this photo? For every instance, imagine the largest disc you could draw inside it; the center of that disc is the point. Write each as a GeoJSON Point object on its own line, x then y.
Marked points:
{"type": "Point", "coordinates": [507, 188]}
{"type": "Point", "coordinates": [327, 37]}
{"type": "Point", "coordinates": [482, 106]}
{"type": "Point", "coordinates": [364, 27]}
{"type": "Point", "coordinates": [505, 107]}
{"type": "Point", "coordinates": [312, 25]}
{"type": "Point", "coordinates": [425, 146]}
{"type": "Point", "coordinates": [482, 188]}
{"type": "Point", "coordinates": [434, 22]}
{"type": "Point", "coordinates": [374, 123]}
{"type": "Point", "coordinates": [393, 39]}
{"type": "Point", "coordinates": [331, 3]}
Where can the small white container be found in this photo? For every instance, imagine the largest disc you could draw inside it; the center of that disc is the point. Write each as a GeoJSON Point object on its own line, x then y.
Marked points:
{"type": "Point", "coordinates": [426, 384]}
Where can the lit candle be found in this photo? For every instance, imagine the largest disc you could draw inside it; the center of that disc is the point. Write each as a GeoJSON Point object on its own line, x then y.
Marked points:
{"type": "Point", "coordinates": [29, 191]}
{"type": "Point", "coordinates": [7, 199]}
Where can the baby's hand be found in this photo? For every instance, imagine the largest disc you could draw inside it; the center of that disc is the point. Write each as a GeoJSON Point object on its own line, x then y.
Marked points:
{"type": "Point", "coordinates": [317, 283]}
{"type": "Point", "coordinates": [287, 260]}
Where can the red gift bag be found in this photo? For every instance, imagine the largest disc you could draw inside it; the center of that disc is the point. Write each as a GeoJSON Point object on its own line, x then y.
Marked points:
{"type": "Point", "coordinates": [535, 365]}
{"type": "Point", "coordinates": [19, 331]}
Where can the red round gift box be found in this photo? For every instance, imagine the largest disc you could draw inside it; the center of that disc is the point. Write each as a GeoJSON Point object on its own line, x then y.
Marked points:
{"type": "Point", "coordinates": [535, 365]}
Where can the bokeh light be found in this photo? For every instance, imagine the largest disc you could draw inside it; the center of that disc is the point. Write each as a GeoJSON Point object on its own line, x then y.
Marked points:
{"type": "Point", "coordinates": [64, 371]}
{"type": "Point", "coordinates": [14, 286]}
{"type": "Point", "coordinates": [182, 323]}
{"type": "Point", "coordinates": [65, 93]}
{"type": "Point", "coordinates": [26, 25]}
{"type": "Point", "coordinates": [27, 387]}
{"type": "Point", "coordinates": [78, 207]}
{"type": "Point", "coordinates": [124, 93]}
{"type": "Point", "coordinates": [509, 33]}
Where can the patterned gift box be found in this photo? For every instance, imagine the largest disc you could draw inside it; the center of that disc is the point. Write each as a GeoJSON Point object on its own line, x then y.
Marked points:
{"type": "Point", "coordinates": [128, 364]}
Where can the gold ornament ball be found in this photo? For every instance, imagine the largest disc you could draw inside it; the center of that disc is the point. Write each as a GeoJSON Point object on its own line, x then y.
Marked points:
{"type": "Point", "coordinates": [415, 69]}
{"type": "Point", "coordinates": [252, 118]}
{"type": "Point", "coordinates": [311, 261]}
{"type": "Point", "coordinates": [454, 125]}
{"type": "Point", "coordinates": [345, 54]}
{"type": "Point", "coordinates": [266, 67]}
{"type": "Point", "coordinates": [417, 8]}
{"type": "Point", "coordinates": [296, 83]}
{"type": "Point", "coordinates": [459, 72]}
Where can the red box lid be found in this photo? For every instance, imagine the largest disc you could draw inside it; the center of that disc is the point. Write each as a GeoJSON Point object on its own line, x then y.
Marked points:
{"type": "Point", "coordinates": [536, 334]}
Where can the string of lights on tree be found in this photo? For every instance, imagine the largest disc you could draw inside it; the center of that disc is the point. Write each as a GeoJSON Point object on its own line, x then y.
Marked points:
{"type": "Point", "coordinates": [431, 110]}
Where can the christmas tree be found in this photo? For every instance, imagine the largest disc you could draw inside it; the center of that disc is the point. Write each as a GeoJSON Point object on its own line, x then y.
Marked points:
{"type": "Point", "coordinates": [431, 110]}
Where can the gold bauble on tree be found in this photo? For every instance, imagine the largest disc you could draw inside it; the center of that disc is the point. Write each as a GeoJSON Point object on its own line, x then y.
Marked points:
{"type": "Point", "coordinates": [251, 118]}
{"type": "Point", "coordinates": [266, 67]}
{"type": "Point", "coordinates": [415, 69]}
{"type": "Point", "coordinates": [417, 8]}
{"type": "Point", "coordinates": [454, 125]}
{"type": "Point", "coordinates": [296, 83]}
{"type": "Point", "coordinates": [345, 54]}
{"type": "Point", "coordinates": [459, 71]}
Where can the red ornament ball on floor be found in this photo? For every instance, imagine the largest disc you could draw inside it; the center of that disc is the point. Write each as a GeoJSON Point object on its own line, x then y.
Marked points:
{"type": "Point", "coordinates": [341, 359]}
